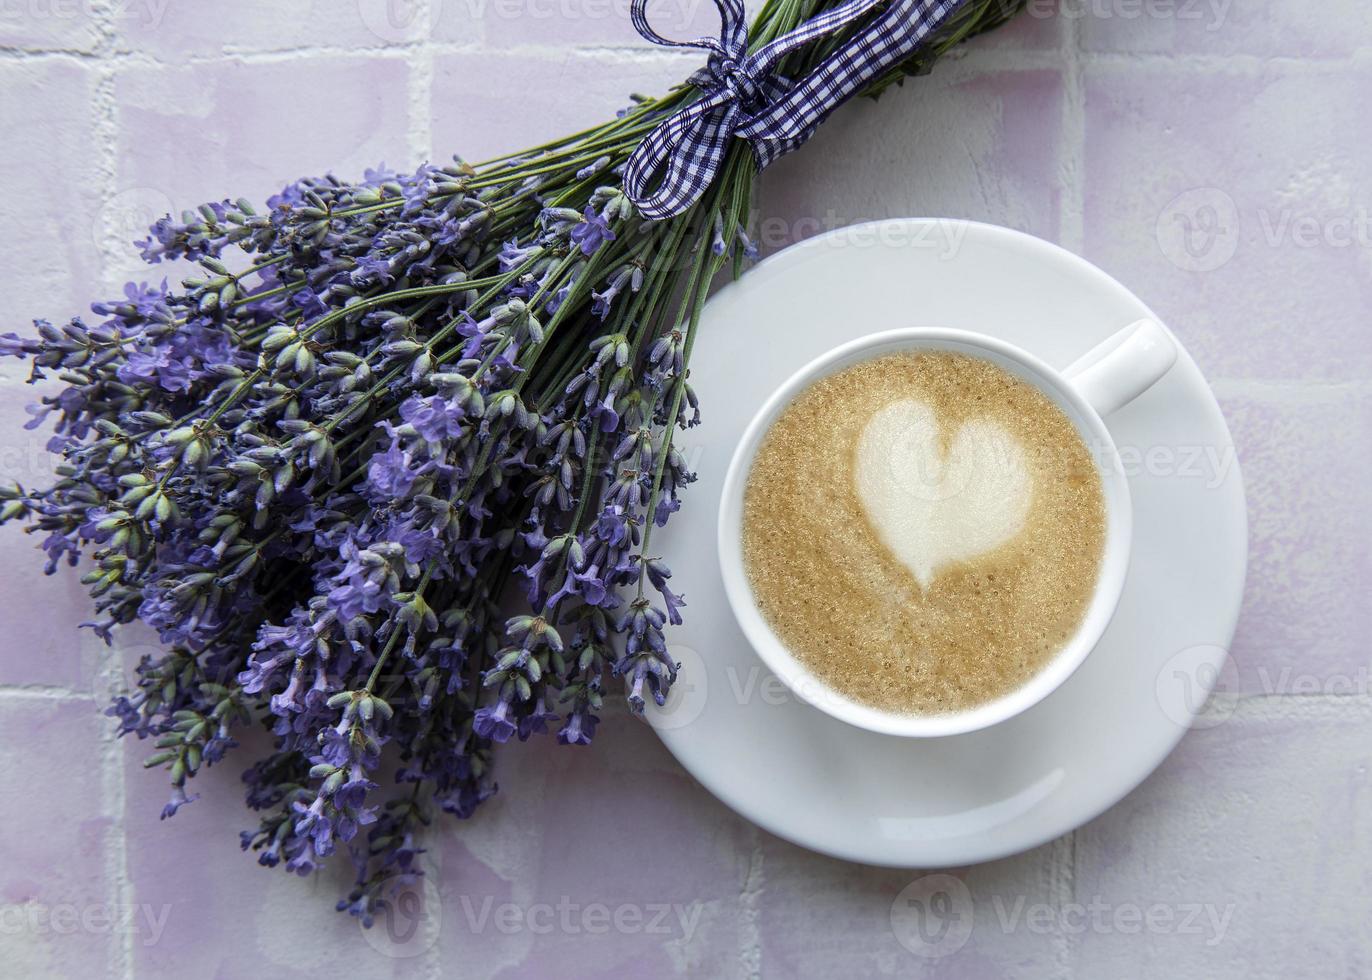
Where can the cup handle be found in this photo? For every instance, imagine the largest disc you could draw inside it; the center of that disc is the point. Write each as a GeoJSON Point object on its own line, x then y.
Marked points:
{"type": "Point", "coordinates": [1123, 366]}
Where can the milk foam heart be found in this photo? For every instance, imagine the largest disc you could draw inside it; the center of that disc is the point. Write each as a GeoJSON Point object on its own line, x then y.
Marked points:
{"type": "Point", "coordinates": [930, 508]}
{"type": "Point", "coordinates": [932, 459]}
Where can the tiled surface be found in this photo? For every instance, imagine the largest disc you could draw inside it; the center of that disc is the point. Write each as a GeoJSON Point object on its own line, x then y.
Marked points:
{"type": "Point", "coordinates": [480, 103]}
{"type": "Point", "coordinates": [1009, 124]}
{"type": "Point", "coordinates": [1205, 188]}
{"type": "Point", "coordinates": [1212, 154]}
{"type": "Point", "coordinates": [191, 131]}
{"type": "Point", "coordinates": [1304, 628]}
{"type": "Point", "coordinates": [1255, 835]}
{"type": "Point", "coordinates": [63, 912]}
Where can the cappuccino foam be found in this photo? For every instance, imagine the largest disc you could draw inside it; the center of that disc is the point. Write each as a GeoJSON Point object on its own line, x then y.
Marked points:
{"type": "Point", "coordinates": [923, 531]}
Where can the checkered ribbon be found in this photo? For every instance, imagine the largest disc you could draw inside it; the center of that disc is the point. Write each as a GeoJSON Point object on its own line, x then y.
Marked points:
{"type": "Point", "coordinates": [670, 169]}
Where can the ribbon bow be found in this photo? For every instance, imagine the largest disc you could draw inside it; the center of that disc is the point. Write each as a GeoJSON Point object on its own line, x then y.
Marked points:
{"type": "Point", "coordinates": [741, 96]}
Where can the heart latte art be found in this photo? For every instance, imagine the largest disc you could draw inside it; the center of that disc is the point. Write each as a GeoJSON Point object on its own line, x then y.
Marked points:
{"type": "Point", "coordinates": [932, 507]}
{"type": "Point", "coordinates": [923, 531]}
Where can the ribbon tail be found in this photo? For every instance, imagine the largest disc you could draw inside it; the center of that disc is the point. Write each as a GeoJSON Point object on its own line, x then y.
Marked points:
{"type": "Point", "coordinates": [729, 10]}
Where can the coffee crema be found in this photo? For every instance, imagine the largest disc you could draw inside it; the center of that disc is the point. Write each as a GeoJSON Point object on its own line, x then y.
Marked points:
{"type": "Point", "coordinates": [924, 531]}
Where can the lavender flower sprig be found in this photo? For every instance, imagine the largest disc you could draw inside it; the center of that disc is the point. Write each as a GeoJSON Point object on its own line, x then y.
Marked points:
{"type": "Point", "coordinates": [316, 467]}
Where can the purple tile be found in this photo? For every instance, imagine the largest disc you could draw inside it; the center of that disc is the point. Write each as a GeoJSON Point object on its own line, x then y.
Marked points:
{"type": "Point", "coordinates": [819, 917]}
{"type": "Point", "coordinates": [480, 104]}
{"type": "Point", "coordinates": [39, 614]}
{"type": "Point", "coordinates": [460, 22]}
{"type": "Point", "coordinates": [196, 134]}
{"type": "Point", "coordinates": [1002, 167]}
{"type": "Point", "coordinates": [174, 30]}
{"type": "Point", "coordinates": [1039, 27]}
{"type": "Point", "coordinates": [52, 271]}
{"type": "Point", "coordinates": [1243, 856]}
{"type": "Point", "coordinates": [1222, 27]}
{"type": "Point", "coordinates": [1245, 245]}
{"type": "Point", "coordinates": [550, 876]}
{"type": "Point", "coordinates": [50, 251]}
{"type": "Point", "coordinates": [226, 917]}
{"type": "Point", "coordinates": [603, 862]}
{"type": "Point", "coordinates": [60, 917]}
{"type": "Point", "coordinates": [61, 25]}
{"type": "Point", "coordinates": [1304, 625]}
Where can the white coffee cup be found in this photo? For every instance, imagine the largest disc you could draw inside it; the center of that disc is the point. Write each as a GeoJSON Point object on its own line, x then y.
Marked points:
{"type": "Point", "coordinates": [1103, 380]}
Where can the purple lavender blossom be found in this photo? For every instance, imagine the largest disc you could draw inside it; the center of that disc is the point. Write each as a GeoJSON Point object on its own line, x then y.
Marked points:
{"type": "Point", "coordinates": [593, 231]}
{"type": "Point", "coordinates": [326, 467]}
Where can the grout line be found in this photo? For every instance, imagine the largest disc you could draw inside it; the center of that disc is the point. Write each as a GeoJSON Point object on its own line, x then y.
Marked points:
{"type": "Point", "coordinates": [119, 883]}
{"type": "Point", "coordinates": [1227, 64]}
{"type": "Point", "coordinates": [750, 935]}
{"type": "Point", "coordinates": [1072, 236]}
{"type": "Point", "coordinates": [41, 692]}
{"type": "Point", "coordinates": [1260, 704]}
{"type": "Point", "coordinates": [399, 50]}
{"type": "Point", "coordinates": [1290, 390]}
{"type": "Point", "coordinates": [106, 139]}
{"type": "Point", "coordinates": [1062, 886]}
{"type": "Point", "coordinates": [1072, 149]}
{"type": "Point", "coordinates": [980, 56]}
{"type": "Point", "coordinates": [420, 137]}
{"type": "Point", "coordinates": [421, 83]}
{"type": "Point", "coordinates": [22, 54]}
{"type": "Point", "coordinates": [105, 132]}
{"type": "Point", "coordinates": [973, 61]}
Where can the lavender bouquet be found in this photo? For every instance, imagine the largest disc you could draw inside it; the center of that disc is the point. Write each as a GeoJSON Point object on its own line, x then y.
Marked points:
{"type": "Point", "coordinates": [384, 472]}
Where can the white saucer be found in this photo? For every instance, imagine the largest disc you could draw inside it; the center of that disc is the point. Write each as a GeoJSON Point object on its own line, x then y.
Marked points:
{"type": "Point", "coordinates": [947, 802]}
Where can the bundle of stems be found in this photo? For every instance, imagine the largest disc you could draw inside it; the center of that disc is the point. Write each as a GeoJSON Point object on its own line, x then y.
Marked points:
{"type": "Point", "coordinates": [383, 472]}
